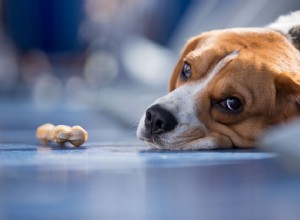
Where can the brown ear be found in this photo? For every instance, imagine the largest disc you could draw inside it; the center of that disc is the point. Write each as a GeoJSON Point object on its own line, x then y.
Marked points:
{"type": "Point", "coordinates": [288, 88]}
{"type": "Point", "coordinates": [288, 83]}
{"type": "Point", "coordinates": [192, 43]}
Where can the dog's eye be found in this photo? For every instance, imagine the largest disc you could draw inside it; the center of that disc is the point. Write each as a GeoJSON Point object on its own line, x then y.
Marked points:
{"type": "Point", "coordinates": [186, 71]}
{"type": "Point", "coordinates": [231, 104]}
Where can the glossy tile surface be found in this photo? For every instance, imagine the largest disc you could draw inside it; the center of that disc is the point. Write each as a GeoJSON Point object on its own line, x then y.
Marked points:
{"type": "Point", "coordinates": [132, 181]}
{"type": "Point", "coordinates": [113, 176]}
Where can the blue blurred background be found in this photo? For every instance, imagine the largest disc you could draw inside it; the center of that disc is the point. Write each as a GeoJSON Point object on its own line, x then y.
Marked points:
{"type": "Point", "coordinates": [109, 57]}
{"type": "Point", "coordinates": [99, 64]}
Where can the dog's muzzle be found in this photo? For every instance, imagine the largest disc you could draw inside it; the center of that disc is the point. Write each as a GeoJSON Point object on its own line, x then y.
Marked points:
{"type": "Point", "coordinates": [158, 121]}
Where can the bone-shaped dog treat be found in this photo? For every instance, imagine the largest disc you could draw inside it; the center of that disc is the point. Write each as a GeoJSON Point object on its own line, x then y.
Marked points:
{"type": "Point", "coordinates": [61, 134]}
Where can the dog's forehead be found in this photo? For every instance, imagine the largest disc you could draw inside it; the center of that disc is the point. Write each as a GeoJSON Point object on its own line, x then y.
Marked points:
{"type": "Point", "coordinates": [211, 48]}
{"type": "Point", "coordinates": [210, 57]}
{"type": "Point", "coordinates": [263, 46]}
{"type": "Point", "coordinates": [233, 55]}
{"type": "Point", "coordinates": [259, 49]}
{"type": "Point", "coordinates": [236, 38]}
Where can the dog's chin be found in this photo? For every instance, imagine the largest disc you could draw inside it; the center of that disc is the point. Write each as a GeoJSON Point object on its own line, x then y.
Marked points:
{"type": "Point", "coordinates": [169, 144]}
{"type": "Point", "coordinates": [153, 141]}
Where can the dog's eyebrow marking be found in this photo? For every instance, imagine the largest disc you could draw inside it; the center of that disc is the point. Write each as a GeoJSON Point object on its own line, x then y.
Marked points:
{"type": "Point", "coordinates": [222, 64]}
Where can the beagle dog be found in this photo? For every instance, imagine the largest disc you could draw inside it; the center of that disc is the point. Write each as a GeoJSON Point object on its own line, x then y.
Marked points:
{"type": "Point", "coordinates": [228, 87]}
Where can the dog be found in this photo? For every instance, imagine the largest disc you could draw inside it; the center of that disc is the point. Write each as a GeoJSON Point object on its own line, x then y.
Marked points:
{"type": "Point", "coordinates": [227, 88]}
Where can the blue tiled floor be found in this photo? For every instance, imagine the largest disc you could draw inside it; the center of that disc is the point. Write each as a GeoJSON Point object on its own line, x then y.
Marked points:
{"type": "Point", "coordinates": [113, 176]}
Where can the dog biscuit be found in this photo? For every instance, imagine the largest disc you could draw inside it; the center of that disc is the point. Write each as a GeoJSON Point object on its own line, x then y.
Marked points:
{"type": "Point", "coordinates": [61, 134]}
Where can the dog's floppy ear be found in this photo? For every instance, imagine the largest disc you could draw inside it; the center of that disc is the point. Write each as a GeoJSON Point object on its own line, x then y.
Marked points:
{"type": "Point", "coordinates": [290, 26]}
{"type": "Point", "coordinates": [288, 90]}
{"type": "Point", "coordinates": [192, 43]}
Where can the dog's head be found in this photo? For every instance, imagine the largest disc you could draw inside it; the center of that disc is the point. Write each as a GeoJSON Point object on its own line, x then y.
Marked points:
{"type": "Point", "coordinates": [227, 87]}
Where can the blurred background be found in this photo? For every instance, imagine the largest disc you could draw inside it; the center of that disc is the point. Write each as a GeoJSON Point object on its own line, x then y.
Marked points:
{"type": "Point", "coordinates": [100, 63]}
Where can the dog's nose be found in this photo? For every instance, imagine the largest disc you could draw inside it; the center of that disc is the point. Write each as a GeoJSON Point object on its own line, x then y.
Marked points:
{"type": "Point", "coordinates": [158, 120]}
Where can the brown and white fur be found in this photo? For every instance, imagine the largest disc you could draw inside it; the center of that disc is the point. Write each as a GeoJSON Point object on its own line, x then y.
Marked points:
{"type": "Point", "coordinates": [227, 88]}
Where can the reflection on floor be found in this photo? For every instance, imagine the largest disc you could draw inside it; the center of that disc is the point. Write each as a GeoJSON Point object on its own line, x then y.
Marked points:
{"type": "Point", "coordinates": [113, 176]}
{"type": "Point", "coordinates": [132, 181]}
